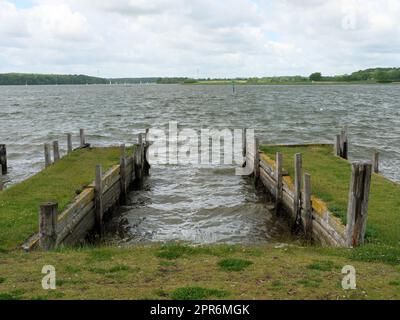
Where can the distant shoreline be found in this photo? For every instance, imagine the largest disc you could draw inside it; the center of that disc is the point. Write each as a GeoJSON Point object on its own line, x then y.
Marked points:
{"type": "Point", "coordinates": [368, 76]}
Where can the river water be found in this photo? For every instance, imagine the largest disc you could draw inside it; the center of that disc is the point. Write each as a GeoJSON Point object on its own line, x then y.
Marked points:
{"type": "Point", "coordinates": [194, 203]}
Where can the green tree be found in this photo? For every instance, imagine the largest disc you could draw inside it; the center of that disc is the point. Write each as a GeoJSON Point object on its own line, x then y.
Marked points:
{"type": "Point", "coordinates": [316, 76]}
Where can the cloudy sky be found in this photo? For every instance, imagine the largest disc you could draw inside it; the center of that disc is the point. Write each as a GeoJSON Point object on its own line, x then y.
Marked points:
{"type": "Point", "coordinates": [198, 38]}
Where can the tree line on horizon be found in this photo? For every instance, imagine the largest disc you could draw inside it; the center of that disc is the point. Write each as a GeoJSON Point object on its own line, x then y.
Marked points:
{"type": "Point", "coordinates": [372, 75]}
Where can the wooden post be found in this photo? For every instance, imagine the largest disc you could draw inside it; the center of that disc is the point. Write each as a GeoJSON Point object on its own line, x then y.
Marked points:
{"type": "Point", "coordinates": [98, 198]}
{"type": "Point", "coordinates": [48, 225]}
{"type": "Point", "coordinates": [142, 143]}
{"type": "Point", "coordinates": [244, 139]}
{"type": "Point", "coordinates": [337, 146]}
{"type": "Point", "coordinates": [278, 179]}
{"type": "Point", "coordinates": [256, 158]}
{"type": "Point", "coordinates": [82, 138]}
{"type": "Point", "coordinates": [343, 144]}
{"type": "Point", "coordinates": [56, 151]}
{"type": "Point", "coordinates": [122, 164]}
{"type": "Point", "coordinates": [3, 158]}
{"type": "Point", "coordinates": [375, 162]}
{"type": "Point", "coordinates": [138, 166]}
{"type": "Point", "coordinates": [297, 187]}
{"type": "Point", "coordinates": [1, 181]}
{"type": "Point", "coordinates": [69, 143]}
{"type": "Point", "coordinates": [357, 211]}
{"type": "Point", "coordinates": [47, 156]}
{"type": "Point", "coordinates": [146, 169]}
{"type": "Point", "coordinates": [307, 206]}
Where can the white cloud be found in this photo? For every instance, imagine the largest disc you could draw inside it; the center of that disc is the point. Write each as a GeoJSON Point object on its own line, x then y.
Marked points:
{"type": "Point", "coordinates": [178, 37]}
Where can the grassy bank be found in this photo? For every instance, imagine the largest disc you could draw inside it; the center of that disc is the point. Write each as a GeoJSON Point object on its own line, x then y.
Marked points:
{"type": "Point", "coordinates": [203, 272]}
{"type": "Point", "coordinates": [330, 177]}
{"type": "Point", "coordinates": [182, 272]}
{"type": "Point", "coordinates": [19, 204]}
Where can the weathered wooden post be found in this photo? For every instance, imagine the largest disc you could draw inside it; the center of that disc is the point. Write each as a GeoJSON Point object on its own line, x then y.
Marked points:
{"type": "Point", "coordinates": [48, 225]}
{"type": "Point", "coordinates": [98, 199]}
{"type": "Point", "coordinates": [56, 151]}
{"type": "Point", "coordinates": [297, 187]}
{"type": "Point", "coordinates": [244, 139]}
{"type": "Point", "coordinates": [69, 142]}
{"type": "Point", "coordinates": [82, 138]}
{"type": "Point", "coordinates": [3, 158]}
{"type": "Point", "coordinates": [256, 158]}
{"type": "Point", "coordinates": [375, 162]}
{"type": "Point", "coordinates": [343, 144]}
{"type": "Point", "coordinates": [278, 179]}
{"type": "Point", "coordinates": [1, 181]}
{"type": "Point", "coordinates": [47, 156]}
{"type": "Point", "coordinates": [146, 160]}
{"type": "Point", "coordinates": [337, 146]}
{"type": "Point", "coordinates": [138, 166]}
{"type": "Point", "coordinates": [357, 211]}
{"type": "Point", "coordinates": [307, 206]}
{"type": "Point", "coordinates": [122, 165]}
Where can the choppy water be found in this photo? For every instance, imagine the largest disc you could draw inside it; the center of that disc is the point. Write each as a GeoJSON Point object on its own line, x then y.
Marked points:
{"type": "Point", "coordinates": [208, 206]}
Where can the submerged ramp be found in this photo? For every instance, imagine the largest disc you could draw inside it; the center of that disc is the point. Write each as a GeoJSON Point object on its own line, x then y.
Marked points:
{"type": "Point", "coordinates": [199, 205]}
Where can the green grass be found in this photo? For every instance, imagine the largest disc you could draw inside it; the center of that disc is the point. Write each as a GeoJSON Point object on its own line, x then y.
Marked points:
{"type": "Point", "coordinates": [138, 273]}
{"type": "Point", "coordinates": [234, 264]}
{"type": "Point", "coordinates": [330, 180]}
{"type": "Point", "coordinates": [19, 204]}
{"type": "Point", "coordinates": [196, 293]}
{"type": "Point", "coordinates": [322, 265]}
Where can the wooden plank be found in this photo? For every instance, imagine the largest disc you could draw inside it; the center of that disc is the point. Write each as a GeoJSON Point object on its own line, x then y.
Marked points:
{"type": "Point", "coordinates": [3, 159]}
{"type": "Point", "coordinates": [98, 198]}
{"type": "Point", "coordinates": [48, 225]}
{"type": "Point", "coordinates": [375, 162]}
{"type": "Point", "coordinates": [244, 141]}
{"type": "Point", "coordinates": [297, 187]}
{"type": "Point", "coordinates": [287, 201]}
{"type": "Point", "coordinates": [357, 210]}
{"type": "Point", "coordinates": [328, 231]}
{"type": "Point", "coordinates": [268, 182]}
{"type": "Point", "coordinates": [337, 147]}
{"type": "Point", "coordinates": [79, 234]}
{"type": "Point", "coordinates": [267, 168]}
{"type": "Point", "coordinates": [82, 138]}
{"type": "Point", "coordinates": [111, 177]}
{"type": "Point", "coordinates": [47, 156]}
{"type": "Point", "coordinates": [112, 196]}
{"type": "Point", "coordinates": [307, 206]}
{"type": "Point", "coordinates": [72, 225]}
{"type": "Point", "coordinates": [1, 181]}
{"type": "Point", "coordinates": [343, 144]}
{"type": "Point", "coordinates": [129, 168]}
{"type": "Point", "coordinates": [56, 151]}
{"type": "Point", "coordinates": [81, 201]}
{"type": "Point", "coordinates": [69, 143]}
{"type": "Point", "coordinates": [257, 158]}
{"type": "Point", "coordinates": [278, 179]}
{"type": "Point", "coordinates": [122, 179]}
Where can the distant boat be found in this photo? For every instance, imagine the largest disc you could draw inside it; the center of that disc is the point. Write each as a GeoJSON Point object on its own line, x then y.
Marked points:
{"type": "Point", "coordinates": [26, 83]}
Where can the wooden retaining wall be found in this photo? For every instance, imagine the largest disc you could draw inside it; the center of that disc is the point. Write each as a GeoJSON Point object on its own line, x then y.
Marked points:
{"type": "Point", "coordinates": [324, 228]}
{"type": "Point", "coordinates": [306, 210]}
{"type": "Point", "coordinates": [86, 212]}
